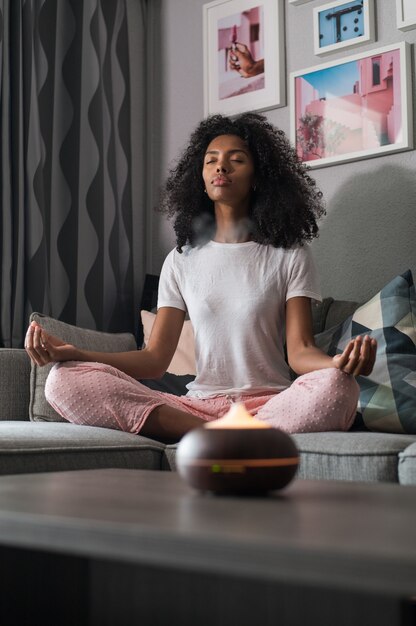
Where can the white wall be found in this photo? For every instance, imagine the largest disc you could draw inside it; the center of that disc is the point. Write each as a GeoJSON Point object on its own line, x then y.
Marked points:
{"type": "Point", "coordinates": [369, 233]}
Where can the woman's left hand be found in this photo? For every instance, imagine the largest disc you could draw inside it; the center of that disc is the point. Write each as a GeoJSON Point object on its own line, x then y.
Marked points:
{"type": "Point", "coordinates": [358, 357]}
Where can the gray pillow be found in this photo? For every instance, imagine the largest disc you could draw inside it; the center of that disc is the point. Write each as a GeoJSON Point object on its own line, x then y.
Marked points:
{"type": "Point", "coordinates": [39, 409]}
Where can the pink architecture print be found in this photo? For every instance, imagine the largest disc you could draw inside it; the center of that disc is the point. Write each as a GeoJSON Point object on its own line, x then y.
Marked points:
{"type": "Point", "coordinates": [349, 108]}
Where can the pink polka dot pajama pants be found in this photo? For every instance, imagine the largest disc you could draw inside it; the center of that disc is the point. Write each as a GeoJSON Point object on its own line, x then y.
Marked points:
{"type": "Point", "coordinates": [101, 395]}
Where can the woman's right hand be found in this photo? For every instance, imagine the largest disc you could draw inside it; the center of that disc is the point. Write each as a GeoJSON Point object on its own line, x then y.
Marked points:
{"type": "Point", "coordinates": [43, 348]}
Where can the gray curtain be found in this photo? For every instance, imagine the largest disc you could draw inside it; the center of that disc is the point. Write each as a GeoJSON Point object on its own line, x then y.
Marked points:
{"type": "Point", "coordinates": [68, 232]}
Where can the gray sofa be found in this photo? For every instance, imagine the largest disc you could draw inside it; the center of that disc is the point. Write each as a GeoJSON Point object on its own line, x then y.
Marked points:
{"type": "Point", "coordinates": [33, 441]}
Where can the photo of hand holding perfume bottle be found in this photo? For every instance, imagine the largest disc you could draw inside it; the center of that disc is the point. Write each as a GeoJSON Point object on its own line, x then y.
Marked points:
{"type": "Point", "coordinates": [244, 67]}
{"type": "Point", "coordinates": [241, 60]}
{"type": "Point", "coordinates": [241, 53]}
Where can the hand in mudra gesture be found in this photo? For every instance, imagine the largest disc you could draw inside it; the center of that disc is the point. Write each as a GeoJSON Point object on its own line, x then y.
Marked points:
{"type": "Point", "coordinates": [44, 348]}
{"type": "Point", "coordinates": [358, 357]}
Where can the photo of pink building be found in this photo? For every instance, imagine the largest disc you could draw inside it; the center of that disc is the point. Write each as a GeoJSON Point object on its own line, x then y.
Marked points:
{"type": "Point", "coordinates": [350, 107]}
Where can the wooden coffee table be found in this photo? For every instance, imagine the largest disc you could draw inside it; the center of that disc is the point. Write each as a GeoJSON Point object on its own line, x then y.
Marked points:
{"type": "Point", "coordinates": [140, 547]}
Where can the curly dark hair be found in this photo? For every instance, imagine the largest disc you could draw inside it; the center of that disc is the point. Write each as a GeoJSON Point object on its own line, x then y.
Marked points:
{"type": "Point", "coordinates": [285, 205]}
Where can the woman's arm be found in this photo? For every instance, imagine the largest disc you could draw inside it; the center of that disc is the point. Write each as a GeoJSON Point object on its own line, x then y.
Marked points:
{"type": "Point", "coordinates": [151, 362]}
{"type": "Point", "coordinates": [357, 358]}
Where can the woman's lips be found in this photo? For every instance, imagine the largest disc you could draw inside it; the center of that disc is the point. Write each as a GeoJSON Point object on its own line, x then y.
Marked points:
{"type": "Point", "coordinates": [220, 181]}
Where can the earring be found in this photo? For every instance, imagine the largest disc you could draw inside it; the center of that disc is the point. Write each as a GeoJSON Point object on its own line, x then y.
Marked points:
{"type": "Point", "coordinates": [254, 187]}
{"type": "Point", "coordinates": [205, 191]}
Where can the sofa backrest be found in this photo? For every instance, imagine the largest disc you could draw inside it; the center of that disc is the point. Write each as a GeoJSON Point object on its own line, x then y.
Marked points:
{"type": "Point", "coordinates": [330, 312]}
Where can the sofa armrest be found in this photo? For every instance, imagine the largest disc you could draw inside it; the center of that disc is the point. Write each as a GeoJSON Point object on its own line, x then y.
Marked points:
{"type": "Point", "coordinates": [14, 384]}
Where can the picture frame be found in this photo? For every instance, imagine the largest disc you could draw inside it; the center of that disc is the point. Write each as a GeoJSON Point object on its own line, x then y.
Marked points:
{"type": "Point", "coordinates": [343, 24]}
{"type": "Point", "coordinates": [406, 14]}
{"type": "Point", "coordinates": [353, 108]}
{"type": "Point", "coordinates": [244, 68]}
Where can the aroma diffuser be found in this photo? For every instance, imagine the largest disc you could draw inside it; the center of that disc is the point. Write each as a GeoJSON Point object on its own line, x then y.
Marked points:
{"type": "Point", "coordinates": [237, 454]}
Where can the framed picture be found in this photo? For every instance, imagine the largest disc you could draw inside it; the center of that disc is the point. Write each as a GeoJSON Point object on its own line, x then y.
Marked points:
{"type": "Point", "coordinates": [354, 108]}
{"type": "Point", "coordinates": [406, 14]}
{"type": "Point", "coordinates": [342, 24]}
{"type": "Point", "coordinates": [243, 56]}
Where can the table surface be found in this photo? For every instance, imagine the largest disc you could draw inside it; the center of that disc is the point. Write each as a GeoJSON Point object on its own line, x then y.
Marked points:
{"type": "Point", "coordinates": [354, 535]}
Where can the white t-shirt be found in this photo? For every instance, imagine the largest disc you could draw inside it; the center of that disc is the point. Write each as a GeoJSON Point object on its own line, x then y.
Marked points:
{"type": "Point", "coordinates": [235, 296]}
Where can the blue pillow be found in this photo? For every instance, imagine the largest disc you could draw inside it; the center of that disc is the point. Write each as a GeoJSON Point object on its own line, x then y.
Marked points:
{"type": "Point", "coordinates": [388, 396]}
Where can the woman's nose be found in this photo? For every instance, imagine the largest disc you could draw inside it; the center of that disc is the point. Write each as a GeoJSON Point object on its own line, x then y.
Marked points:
{"type": "Point", "coordinates": [221, 168]}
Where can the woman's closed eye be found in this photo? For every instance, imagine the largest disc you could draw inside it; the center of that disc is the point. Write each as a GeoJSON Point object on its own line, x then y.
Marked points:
{"type": "Point", "coordinates": [212, 161]}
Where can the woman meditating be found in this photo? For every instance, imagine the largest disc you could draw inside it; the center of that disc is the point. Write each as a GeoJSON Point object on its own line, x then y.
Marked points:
{"type": "Point", "coordinates": [244, 209]}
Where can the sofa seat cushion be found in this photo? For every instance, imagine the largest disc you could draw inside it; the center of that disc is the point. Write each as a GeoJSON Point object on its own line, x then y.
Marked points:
{"type": "Point", "coordinates": [28, 447]}
{"type": "Point", "coordinates": [407, 465]}
{"type": "Point", "coordinates": [355, 456]}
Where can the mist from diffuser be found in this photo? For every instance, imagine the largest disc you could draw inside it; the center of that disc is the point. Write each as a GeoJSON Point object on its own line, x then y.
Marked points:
{"type": "Point", "coordinates": [237, 454]}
